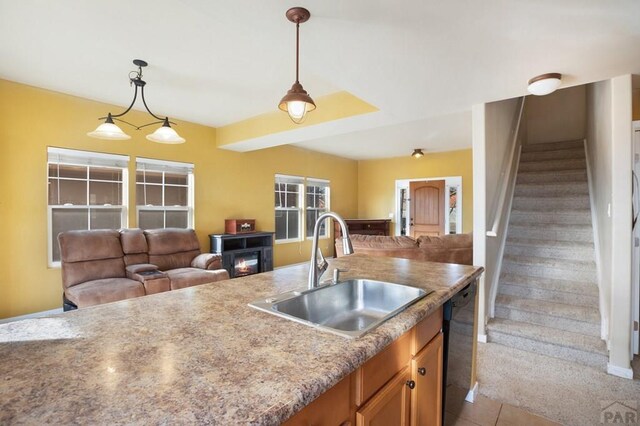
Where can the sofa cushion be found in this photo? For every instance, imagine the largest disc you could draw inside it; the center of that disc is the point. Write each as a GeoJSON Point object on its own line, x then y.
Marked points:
{"type": "Point", "coordinates": [81, 246]}
{"type": "Point", "coordinates": [134, 246]}
{"type": "Point", "coordinates": [79, 272]}
{"type": "Point", "coordinates": [384, 242]}
{"type": "Point", "coordinates": [104, 291]}
{"type": "Point", "coordinates": [187, 277]}
{"type": "Point", "coordinates": [172, 248]}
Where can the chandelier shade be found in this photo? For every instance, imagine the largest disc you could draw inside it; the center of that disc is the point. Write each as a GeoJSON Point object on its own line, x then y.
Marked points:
{"type": "Point", "coordinates": [109, 131]}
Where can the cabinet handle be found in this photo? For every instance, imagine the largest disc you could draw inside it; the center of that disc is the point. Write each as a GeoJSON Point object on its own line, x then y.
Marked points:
{"type": "Point", "coordinates": [411, 384]}
{"type": "Point", "coordinates": [422, 371]}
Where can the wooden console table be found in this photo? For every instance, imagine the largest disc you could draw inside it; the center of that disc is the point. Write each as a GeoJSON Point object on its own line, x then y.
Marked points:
{"type": "Point", "coordinates": [363, 226]}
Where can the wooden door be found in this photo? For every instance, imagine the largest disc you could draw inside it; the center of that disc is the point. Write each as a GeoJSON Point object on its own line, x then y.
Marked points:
{"type": "Point", "coordinates": [427, 208]}
{"type": "Point", "coordinates": [390, 405]}
{"type": "Point", "coordinates": [426, 397]}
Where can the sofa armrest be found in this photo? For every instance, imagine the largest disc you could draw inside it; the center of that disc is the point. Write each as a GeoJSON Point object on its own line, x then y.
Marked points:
{"type": "Point", "coordinates": [208, 261]}
{"type": "Point", "coordinates": [143, 272]}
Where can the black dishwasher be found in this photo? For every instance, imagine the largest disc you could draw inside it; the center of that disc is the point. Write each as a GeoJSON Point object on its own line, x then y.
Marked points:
{"type": "Point", "coordinates": [458, 347]}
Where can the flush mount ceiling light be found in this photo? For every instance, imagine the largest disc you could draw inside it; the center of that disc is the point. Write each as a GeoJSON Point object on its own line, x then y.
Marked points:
{"type": "Point", "coordinates": [417, 153]}
{"type": "Point", "coordinates": [544, 84]}
{"type": "Point", "coordinates": [109, 130]}
{"type": "Point", "coordinates": [297, 102]}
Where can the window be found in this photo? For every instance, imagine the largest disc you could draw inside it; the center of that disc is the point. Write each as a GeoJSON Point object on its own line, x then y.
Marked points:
{"type": "Point", "coordinates": [288, 205]}
{"type": "Point", "coordinates": [164, 194]}
{"type": "Point", "coordinates": [317, 203]}
{"type": "Point", "coordinates": [86, 190]}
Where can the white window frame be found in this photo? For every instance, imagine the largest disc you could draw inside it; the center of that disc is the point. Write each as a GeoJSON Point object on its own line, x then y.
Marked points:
{"type": "Point", "coordinates": [299, 181]}
{"type": "Point", "coordinates": [71, 157]}
{"type": "Point", "coordinates": [327, 185]}
{"type": "Point", "coordinates": [165, 166]}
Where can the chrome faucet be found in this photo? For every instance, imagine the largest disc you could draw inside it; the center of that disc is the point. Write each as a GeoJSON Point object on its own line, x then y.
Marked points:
{"type": "Point", "coordinates": [318, 263]}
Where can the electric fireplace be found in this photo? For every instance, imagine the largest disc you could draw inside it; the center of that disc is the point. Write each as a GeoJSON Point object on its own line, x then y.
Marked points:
{"type": "Point", "coordinates": [244, 254]}
{"type": "Point", "coordinates": [246, 263]}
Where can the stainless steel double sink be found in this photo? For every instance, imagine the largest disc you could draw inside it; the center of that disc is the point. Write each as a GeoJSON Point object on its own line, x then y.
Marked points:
{"type": "Point", "coordinates": [349, 308]}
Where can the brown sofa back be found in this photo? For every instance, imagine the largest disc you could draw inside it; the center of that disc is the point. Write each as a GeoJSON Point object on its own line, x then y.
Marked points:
{"type": "Point", "coordinates": [448, 248]}
{"type": "Point", "coordinates": [134, 246]}
{"type": "Point", "coordinates": [90, 255]}
{"type": "Point", "coordinates": [172, 248]}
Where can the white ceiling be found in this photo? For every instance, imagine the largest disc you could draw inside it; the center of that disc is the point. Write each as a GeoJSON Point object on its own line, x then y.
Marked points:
{"type": "Point", "coordinates": [421, 62]}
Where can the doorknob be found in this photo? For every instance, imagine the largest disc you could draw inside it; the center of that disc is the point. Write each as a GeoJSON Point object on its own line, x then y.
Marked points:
{"type": "Point", "coordinates": [422, 371]}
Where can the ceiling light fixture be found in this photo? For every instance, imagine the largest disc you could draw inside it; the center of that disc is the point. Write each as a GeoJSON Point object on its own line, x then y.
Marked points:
{"type": "Point", "coordinates": [417, 153]}
{"type": "Point", "coordinates": [109, 130]}
{"type": "Point", "coordinates": [544, 84]}
{"type": "Point", "coordinates": [297, 102]}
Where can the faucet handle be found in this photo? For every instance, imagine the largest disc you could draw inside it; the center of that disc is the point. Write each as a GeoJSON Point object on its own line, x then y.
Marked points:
{"type": "Point", "coordinates": [321, 262]}
{"type": "Point", "coordinates": [336, 274]}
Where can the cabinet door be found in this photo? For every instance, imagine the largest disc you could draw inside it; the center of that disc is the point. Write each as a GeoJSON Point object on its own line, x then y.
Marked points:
{"type": "Point", "coordinates": [390, 405]}
{"type": "Point", "coordinates": [426, 397]}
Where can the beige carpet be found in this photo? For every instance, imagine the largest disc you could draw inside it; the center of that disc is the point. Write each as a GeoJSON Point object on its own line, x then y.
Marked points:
{"type": "Point", "coordinates": [559, 390]}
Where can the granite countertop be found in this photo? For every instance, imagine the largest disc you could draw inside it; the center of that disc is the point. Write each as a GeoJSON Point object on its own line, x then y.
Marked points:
{"type": "Point", "coordinates": [198, 355]}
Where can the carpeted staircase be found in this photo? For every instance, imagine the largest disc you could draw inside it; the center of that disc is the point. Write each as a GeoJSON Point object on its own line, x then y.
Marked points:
{"type": "Point", "coordinates": [547, 299]}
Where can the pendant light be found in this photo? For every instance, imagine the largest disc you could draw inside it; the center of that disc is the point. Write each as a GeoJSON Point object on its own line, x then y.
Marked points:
{"type": "Point", "coordinates": [544, 84]}
{"type": "Point", "coordinates": [297, 102]}
{"type": "Point", "coordinates": [110, 131]}
{"type": "Point", "coordinates": [417, 153]}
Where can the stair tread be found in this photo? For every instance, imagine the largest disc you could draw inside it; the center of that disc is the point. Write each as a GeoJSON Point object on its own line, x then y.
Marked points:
{"type": "Point", "coordinates": [576, 197]}
{"type": "Point", "coordinates": [553, 309]}
{"type": "Point", "coordinates": [541, 333]}
{"type": "Point", "coordinates": [553, 284]}
{"type": "Point", "coordinates": [553, 227]}
{"type": "Point", "coordinates": [575, 154]}
{"type": "Point", "coordinates": [555, 185]}
{"type": "Point", "coordinates": [550, 262]}
{"type": "Point", "coordinates": [553, 146]}
{"type": "Point", "coordinates": [539, 242]}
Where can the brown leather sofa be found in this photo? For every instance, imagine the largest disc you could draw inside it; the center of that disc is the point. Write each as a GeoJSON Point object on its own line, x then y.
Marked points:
{"type": "Point", "coordinates": [446, 249]}
{"type": "Point", "coordinates": [101, 266]}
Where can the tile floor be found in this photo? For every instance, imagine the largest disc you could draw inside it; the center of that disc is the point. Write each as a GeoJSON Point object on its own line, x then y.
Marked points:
{"type": "Point", "coordinates": [486, 412]}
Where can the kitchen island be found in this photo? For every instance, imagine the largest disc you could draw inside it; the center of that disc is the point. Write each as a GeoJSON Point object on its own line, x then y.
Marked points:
{"type": "Point", "coordinates": [199, 355]}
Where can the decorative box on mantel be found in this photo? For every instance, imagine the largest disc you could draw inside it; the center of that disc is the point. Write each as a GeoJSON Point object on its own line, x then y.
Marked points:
{"type": "Point", "coordinates": [244, 254]}
{"type": "Point", "coordinates": [239, 226]}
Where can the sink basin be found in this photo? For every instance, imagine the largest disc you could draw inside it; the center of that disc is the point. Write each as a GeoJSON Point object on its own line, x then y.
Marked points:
{"type": "Point", "coordinates": [349, 308]}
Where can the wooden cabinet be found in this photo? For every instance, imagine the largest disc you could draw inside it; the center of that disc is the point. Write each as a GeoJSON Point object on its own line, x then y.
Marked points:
{"type": "Point", "coordinates": [363, 226]}
{"type": "Point", "coordinates": [390, 405]}
{"type": "Point", "coordinates": [426, 396]}
{"type": "Point", "coordinates": [401, 385]}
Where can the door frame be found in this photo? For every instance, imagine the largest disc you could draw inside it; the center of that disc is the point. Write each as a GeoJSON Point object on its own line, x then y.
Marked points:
{"type": "Point", "coordinates": [449, 181]}
{"type": "Point", "coordinates": [635, 266]}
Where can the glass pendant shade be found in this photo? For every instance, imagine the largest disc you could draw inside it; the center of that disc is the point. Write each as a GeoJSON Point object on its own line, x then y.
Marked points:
{"type": "Point", "coordinates": [544, 84]}
{"type": "Point", "coordinates": [108, 130]}
{"type": "Point", "coordinates": [297, 103]}
{"type": "Point", "coordinates": [165, 134]}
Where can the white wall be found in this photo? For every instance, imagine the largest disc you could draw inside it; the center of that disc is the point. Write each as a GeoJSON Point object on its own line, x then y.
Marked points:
{"type": "Point", "coordinates": [598, 137]}
{"type": "Point", "coordinates": [560, 116]}
{"type": "Point", "coordinates": [479, 208]}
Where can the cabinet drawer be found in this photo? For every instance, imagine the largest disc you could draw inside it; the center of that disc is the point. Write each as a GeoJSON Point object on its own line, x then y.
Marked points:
{"type": "Point", "coordinates": [390, 406]}
{"type": "Point", "coordinates": [425, 330]}
{"type": "Point", "coordinates": [382, 367]}
{"type": "Point", "coordinates": [329, 409]}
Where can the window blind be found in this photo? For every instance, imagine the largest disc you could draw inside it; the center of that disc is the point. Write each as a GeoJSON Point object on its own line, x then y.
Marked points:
{"type": "Point", "coordinates": [296, 180]}
{"type": "Point", "coordinates": [322, 183]}
{"type": "Point", "coordinates": [85, 158]}
{"type": "Point", "coordinates": [151, 165]}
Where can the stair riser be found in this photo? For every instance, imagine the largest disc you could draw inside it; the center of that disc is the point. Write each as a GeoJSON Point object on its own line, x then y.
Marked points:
{"type": "Point", "coordinates": [551, 204]}
{"type": "Point", "coordinates": [526, 218]}
{"type": "Point", "coordinates": [587, 275]}
{"type": "Point", "coordinates": [568, 190]}
{"type": "Point", "coordinates": [568, 253]}
{"type": "Point", "coordinates": [578, 287]}
{"type": "Point", "coordinates": [590, 329]}
{"type": "Point", "coordinates": [551, 177]}
{"type": "Point", "coordinates": [570, 354]}
{"type": "Point", "coordinates": [559, 165]}
{"type": "Point", "coordinates": [582, 235]}
{"type": "Point", "coordinates": [553, 146]}
{"type": "Point", "coordinates": [549, 295]}
{"type": "Point", "coordinates": [563, 154]}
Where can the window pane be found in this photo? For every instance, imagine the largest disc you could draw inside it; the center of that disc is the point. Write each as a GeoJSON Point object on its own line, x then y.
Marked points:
{"type": "Point", "coordinates": [149, 195]}
{"type": "Point", "coordinates": [151, 219]}
{"type": "Point", "coordinates": [53, 192]}
{"type": "Point", "coordinates": [312, 215]}
{"type": "Point", "coordinates": [292, 224]}
{"type": "Point", "coordinates": [66, 220]}
{"type": "Point", "coordinates": [101, 193]}
{"type": "Point", "coordinates": [310, 200]}
{"type": "Point", "coordinates": [292, 187]}
{"type": "Point", "coordinates": [73, 192]}
{"type": "Point", "coordinates": [106, 218]}
{"type": "Point", "coordinates": [175, 196]}
{"type": "Point", "coordinates": [76, 172]}
{"type": "Point", "coordinates": [178, 219]}
{"type": "Point", "coordinates": [149, 177]}
{"type": "Point", "coordinates": [175, 179]}
{"type": "Point", "coordinates": [99, 173]}
{"type": "Point", "coordinates": [277, 200]}
{"type": "Point", "coordinates": [292, 199]}
{"type": "Point", "coordinates": [53, 170]}
{"type": "Point", "coordinates": [281, 225]}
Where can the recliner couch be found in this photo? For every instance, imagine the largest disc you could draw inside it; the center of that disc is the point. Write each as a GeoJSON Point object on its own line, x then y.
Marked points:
{"type": "Point", "coordinates": [101, 266]}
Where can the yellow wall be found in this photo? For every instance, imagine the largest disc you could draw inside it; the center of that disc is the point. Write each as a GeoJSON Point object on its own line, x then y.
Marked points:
{"type": "Point", "coordinates": [228, 184]}
{"type": "Point", "coordinates": [376, 181]}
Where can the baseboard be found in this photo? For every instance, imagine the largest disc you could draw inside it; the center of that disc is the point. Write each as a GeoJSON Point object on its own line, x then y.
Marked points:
{"type": "Point", "coordinates": [482, 338]}
{"type": "Point", "coordinates": [614, 370]}
{"type": "Point", "coordinates": [34, 315]}
{"type": "Point", "coordinates": [471, 395]}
